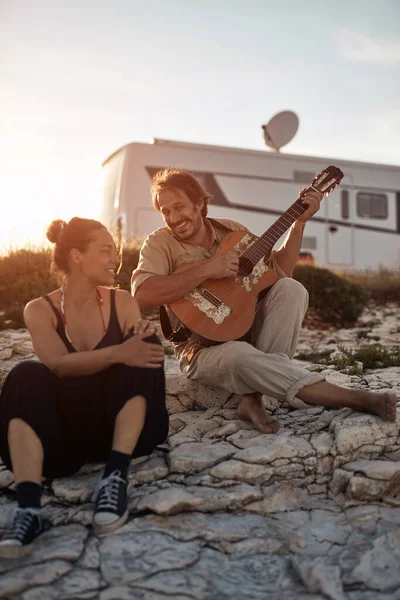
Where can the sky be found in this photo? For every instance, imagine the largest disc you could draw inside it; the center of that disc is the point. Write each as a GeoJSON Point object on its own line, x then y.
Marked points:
{"type": "Point", "coordinates": [80, 79]}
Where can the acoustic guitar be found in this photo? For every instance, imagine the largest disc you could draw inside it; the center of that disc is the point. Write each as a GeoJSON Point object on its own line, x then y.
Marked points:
{"type": "Point", "coordinates": [223, 309]}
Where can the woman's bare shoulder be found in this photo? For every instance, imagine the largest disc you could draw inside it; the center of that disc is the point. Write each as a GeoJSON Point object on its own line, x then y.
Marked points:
{"type": "Point", "coordinates": [39, 308]}
{"type": "Point", "coordinates": [37, 304]}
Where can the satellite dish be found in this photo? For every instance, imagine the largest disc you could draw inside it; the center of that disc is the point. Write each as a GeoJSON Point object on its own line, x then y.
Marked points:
{"type": "Point", "coordinates": [281, 129]}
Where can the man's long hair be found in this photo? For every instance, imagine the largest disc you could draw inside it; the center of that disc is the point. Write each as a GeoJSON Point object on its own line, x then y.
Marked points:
{"type": "Point", "coordinates": [177, 179]}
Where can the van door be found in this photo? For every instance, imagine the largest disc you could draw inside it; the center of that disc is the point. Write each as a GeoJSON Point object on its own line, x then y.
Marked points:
{"type": "Point", "coordinates": [339, 225]}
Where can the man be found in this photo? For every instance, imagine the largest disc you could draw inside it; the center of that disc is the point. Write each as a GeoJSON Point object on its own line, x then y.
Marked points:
{"type": "Point", "coordinates": [263, 364]}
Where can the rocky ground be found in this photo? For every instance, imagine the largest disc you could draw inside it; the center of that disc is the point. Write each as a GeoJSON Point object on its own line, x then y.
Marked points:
{"type": "Point", "coordinates": [311, 512]}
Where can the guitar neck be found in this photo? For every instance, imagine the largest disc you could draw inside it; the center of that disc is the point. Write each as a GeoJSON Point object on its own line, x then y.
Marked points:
{"type": "Point", "coordinates": [267, 241]}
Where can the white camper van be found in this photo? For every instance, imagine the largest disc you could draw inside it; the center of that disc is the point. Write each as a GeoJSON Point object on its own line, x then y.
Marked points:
{"type": "Point", "coordinates": [358, 225]}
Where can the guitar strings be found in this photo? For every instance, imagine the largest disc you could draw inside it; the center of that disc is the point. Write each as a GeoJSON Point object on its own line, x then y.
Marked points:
{"type": "Point", "coordinates": [255, 254]}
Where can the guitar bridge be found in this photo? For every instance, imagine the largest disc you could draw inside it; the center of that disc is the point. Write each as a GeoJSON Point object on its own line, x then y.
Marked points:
{"type": "Point", "coordinates": [209, 304]}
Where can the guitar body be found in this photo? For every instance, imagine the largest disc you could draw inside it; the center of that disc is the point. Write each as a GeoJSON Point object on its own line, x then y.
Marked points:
{"type": "Point", "coordinates": [234, 316]}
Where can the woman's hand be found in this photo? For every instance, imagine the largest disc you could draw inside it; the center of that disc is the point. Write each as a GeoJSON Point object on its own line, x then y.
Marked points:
{"type": "Point", "coordinates": [144, 326]}
{"type": "Point", "coordinates": [137, 353]}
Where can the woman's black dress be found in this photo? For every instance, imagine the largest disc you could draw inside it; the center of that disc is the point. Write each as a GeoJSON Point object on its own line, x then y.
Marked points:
{"type": "Point", "coordinates": [74, 416]}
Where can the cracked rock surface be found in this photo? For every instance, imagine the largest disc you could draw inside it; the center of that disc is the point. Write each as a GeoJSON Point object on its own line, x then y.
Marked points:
{"type": "Point", "coordinates": [311, 512]}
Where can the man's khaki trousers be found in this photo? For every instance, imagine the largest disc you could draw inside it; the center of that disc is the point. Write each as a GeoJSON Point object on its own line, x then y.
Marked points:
{"type": "Point", "coordinates": [265, 364]}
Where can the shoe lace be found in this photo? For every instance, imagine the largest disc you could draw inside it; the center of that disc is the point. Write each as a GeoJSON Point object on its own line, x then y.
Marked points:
{"type": "Point", "coordinates": [106, 492]}
{"type": "Point", "coordinates": [23, 519]}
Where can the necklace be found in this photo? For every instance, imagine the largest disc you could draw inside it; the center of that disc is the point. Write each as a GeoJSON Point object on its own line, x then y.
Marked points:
{"type": "Point", "coordinates": [100, 302]}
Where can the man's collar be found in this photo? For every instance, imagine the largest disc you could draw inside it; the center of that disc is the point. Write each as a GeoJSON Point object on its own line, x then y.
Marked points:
{"type": "Point", "coordinates": [216, 223]}
{"type": "Point", "coordinates": [210, 227]}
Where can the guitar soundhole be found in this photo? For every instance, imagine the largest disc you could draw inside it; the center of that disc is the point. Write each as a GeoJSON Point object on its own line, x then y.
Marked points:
{"type": "Point", "coordinates": [245, 266]}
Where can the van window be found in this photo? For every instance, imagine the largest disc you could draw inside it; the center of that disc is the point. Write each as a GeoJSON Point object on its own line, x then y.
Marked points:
{"type": "Point", "coordinates": [344, 196]}
{"type": "Point", "coordinates": [372, 206]}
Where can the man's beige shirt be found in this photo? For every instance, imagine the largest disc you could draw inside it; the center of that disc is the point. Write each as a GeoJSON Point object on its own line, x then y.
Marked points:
{"type": "Point", "coordinates": [162, 254]}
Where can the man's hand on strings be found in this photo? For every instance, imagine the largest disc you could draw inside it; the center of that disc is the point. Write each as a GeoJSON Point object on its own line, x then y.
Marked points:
{"type": "Point", "coordinates": [312, 200]}
{"type": "Point", "coordinates": [222, 265]}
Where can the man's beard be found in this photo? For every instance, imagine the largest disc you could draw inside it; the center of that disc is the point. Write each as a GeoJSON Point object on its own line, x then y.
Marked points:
{"type": "Point", "coordinates": [193, 225]}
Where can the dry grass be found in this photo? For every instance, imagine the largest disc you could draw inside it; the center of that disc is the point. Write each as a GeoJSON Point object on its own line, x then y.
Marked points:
{"type": "Point", "coordinates": [382, 285]}
{"type": "Point", "coordinates": [372, 356]}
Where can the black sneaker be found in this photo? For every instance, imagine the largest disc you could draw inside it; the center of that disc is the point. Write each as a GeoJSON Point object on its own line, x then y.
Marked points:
{"type": "Point", "coordinates": [111, 503]}
{"type": "Point", "coordinates": [27, 525]}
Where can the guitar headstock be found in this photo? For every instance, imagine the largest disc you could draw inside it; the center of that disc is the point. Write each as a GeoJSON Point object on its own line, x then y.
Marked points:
{"type": "Point", "coordinates": [327, 180]}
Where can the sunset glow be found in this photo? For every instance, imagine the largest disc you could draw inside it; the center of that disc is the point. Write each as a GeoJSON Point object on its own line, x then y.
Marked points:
{"type": "Point", "coordinates": [79, 82]}
{"type": "Point", "coordinates": [28, 210]}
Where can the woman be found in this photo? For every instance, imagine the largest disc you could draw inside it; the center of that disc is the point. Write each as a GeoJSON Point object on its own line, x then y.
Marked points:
{"type": "Point", "coordinates": [98, 392]}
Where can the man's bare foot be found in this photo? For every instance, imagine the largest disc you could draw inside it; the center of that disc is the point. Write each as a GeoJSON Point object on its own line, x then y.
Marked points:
{"type": "Point", "coordinates": [252, 409]}
{"type": "Point", "coordinates": [384, 405]}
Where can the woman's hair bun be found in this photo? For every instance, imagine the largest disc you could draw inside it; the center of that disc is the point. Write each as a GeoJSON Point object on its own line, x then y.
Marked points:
{"type": "Point", "coordinates": [54, 230]}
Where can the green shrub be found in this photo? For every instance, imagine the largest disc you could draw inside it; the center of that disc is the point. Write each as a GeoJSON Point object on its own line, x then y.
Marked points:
{"type": "Point", "coordinates": [336, 300]}
{"type": "Point", "coordinates": [24, 275]}
{"type": "Point", "coordinates": [374, 356]}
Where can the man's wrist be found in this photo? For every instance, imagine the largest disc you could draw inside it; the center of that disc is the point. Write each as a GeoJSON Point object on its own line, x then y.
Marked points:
{"type": "Point", "coordinates": [297, 222]}
{"type": "Point", "coordinates": [201, 273]}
